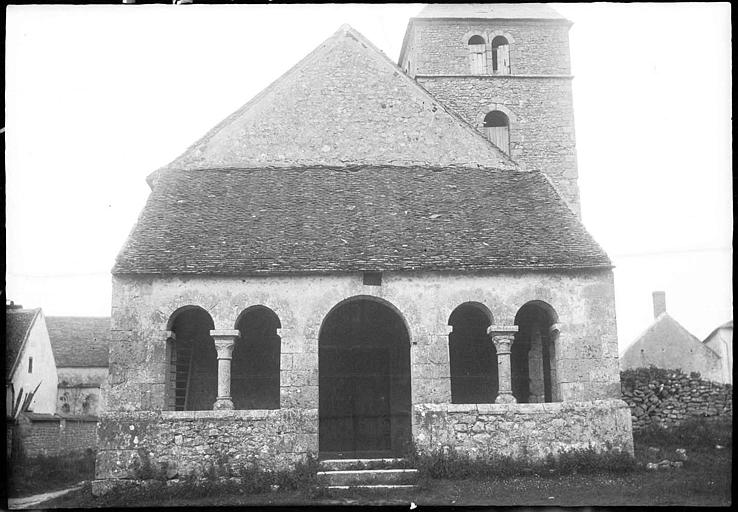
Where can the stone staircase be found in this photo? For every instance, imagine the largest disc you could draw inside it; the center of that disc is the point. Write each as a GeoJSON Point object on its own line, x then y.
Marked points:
{"type": "Point", "coordinates": [359, 476]}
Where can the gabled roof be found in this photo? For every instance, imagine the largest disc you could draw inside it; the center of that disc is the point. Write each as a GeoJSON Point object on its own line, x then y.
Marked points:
{"type": "Point", "coordinates": [345, 103]}
{"type": "Point", "coordinates": [669, 345]}
{"type": "Point", "coordinates": [726, 325]}
{"type": "Point", "coordinates": [18, 323]}
{"type": "Point", "coordinates": [79, 341]}
{"type": "Point", "coordinates": [491, 11]}
{"type": "Point", "coordinates": [326, 219]}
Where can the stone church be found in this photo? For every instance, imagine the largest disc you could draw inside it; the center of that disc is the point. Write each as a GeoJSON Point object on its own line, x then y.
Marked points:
{"type": "Point", "coordinates": [370, 258]}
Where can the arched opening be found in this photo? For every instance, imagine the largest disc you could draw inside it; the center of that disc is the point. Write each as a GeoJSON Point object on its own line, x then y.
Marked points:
{"type": "Point", "coordinates": [478, 55]}
{"type": "Point", "coordinates": [472, 356]}
{"type": "Point", "coordinates": [364, 368]}
{"type": "Point", "coordinates": [497, 128]}
{"type": "Point", "coordinates": [532, 356]}
{"type": "Point", "coordinates": [256, 357]}
{"type": "Point", "coordinates": [500, 56]}
{"type": "Point", "coordinates": [193, 365]}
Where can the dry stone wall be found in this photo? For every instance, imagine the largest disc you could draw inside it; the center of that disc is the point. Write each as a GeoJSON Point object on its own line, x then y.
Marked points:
{"type": "Point", "coordinates": [530, 431]}
{"type": "Point", "coordinates": [668, 397]}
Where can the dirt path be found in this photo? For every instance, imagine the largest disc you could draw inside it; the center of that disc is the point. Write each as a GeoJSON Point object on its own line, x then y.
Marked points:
{"type": "Point", "coordinates": [37, 499]}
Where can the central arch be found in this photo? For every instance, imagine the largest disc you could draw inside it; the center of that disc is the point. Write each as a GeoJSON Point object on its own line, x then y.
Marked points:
{"type": "Point", "coordinates": [364, 383]}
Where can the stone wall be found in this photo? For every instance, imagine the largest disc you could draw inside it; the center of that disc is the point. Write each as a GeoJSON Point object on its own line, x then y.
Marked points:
{"type": "Point", "coordinates": [541, 115]}
{"type": "Point", "coordinates": [523, 430]}
{"type": "Point", "coordinates": [586, 355]}
{"type": "Point", "coordinates": [536, 47]}
{"type": "Point", "coordinates": [185, 443]}
{"type": "Point", "coordinates": [536, 95]}
{"type": "Point", "coordinates": [52, 436]}
{"type": "Point", "coordinates": [668, 397]}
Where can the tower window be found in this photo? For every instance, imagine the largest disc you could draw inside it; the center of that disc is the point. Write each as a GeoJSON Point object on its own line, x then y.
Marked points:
{"type": "Point", "coordinates": [30, 365]}
{"type": "Point", "coordinates": [477, 55]}
{"type": "Point", "coordinates": [500, 56]}
{"type": "Point", "coordinates": [497, 129]}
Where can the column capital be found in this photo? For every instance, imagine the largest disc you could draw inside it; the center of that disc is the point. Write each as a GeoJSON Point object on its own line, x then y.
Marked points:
{"type": "Point", "coordinates": [169, 335]}
{"type": "Point", "coordinates": [502, 330]}
{"type": "Point", "coordinates": [231, 334]}
{"type": "Point", "coordinates": [554, 331]}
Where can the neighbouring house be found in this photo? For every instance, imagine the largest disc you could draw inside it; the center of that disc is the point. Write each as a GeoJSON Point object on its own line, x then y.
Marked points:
{"type": "Point", "coordinates": [30, 372]}
{"type": "Point", "coordinates": [367, 259]}
{"type": "Point", "coordinates": [667, 344]}
{"type": "Point", "coordinates": [720, 341]}
{"type": "Point", "coordinates": [81, 352]}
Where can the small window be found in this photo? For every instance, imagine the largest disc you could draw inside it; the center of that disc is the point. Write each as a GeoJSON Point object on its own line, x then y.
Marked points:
{"type": "Point", "coordinates": [477, 55]}
{"type": "Point", "coordinates": [30, 365]}
{"type": "Point", "coordinates": [500, 56]}
{"type": "Point", "coordinates": [497, 129]}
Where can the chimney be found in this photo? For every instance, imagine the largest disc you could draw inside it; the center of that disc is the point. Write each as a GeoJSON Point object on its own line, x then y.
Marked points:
{"type": "Point", "coordinates": [659, 303]}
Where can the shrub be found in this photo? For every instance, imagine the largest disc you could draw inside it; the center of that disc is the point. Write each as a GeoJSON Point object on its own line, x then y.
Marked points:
{"type": "Point", "coordinates": [450, 464]}
{"type": "Point", "coordinates": [694, 433]}
{"type": "Point", "coordinates": [28, 475]}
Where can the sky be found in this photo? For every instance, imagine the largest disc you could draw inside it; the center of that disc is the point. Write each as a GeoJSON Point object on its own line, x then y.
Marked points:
{"type": "Point", "coordinates": [98, 97]}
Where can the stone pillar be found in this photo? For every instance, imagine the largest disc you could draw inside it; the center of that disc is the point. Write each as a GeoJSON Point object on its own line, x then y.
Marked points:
{"type": "Point", "coordinates": [503, 336]}
{"type": "Point", "coordinates": [224, 340]}
{"type": "Point", "coordinates": [553, 342]}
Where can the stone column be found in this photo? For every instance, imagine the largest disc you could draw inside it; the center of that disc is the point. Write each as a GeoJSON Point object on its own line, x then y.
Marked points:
{"type": "Point", "coordinates": [503, 336]}
{"type": "Point", "coordinates": [224, 340]}
{"type": "Point", "coordinates": [553, 342]}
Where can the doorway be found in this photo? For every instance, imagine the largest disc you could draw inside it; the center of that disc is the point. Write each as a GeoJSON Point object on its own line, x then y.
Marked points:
{"type": "Point", "coordinates": [364, 365]}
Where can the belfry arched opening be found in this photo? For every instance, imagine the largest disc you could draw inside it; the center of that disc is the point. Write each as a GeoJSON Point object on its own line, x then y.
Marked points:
{"type": "Point", "coordinates": [364, 365]}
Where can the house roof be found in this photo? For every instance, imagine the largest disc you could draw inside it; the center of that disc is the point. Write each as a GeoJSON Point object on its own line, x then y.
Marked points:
{"type": "Point", "coordinates": [326, 219]}
{"type": "Point", "coordinates": [726, 325]}
{"type": "Point", "coordinates": [18, 323]}
{"type": "Point", "coordinates": [79, 341]}
{"type": "Point", "coordinates": [491, 11]}
{"type": "Point", "coordinates": [666, 333]}
{"type": "Point", "coordinates": [345, 103]}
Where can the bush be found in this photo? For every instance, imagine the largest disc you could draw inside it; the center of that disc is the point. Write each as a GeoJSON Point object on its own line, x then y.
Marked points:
{"type": "Point", "coordinates": [694, 433]}
{"type": "Point", "coordinates": [452, 465]}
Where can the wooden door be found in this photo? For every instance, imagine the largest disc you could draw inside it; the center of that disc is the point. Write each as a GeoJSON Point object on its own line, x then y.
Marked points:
{"type": "Point", "coordinates": [355, 401]}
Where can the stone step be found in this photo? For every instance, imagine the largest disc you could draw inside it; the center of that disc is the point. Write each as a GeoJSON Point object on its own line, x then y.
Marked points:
{"type": "Point", "coordinates": [365, 477]}
{"type": "Point", "coordinates": [356, 464]}
{"type": "Point", "coordinates": [352, 491]}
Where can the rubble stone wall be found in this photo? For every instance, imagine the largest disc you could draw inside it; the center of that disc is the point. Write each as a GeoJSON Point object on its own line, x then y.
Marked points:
{"type": "Point", "coordinates": [668, 397]}
{"type": "Point", "coordinates": [181, 443]}
{"type": "Point", "coordinates": [523, 430]}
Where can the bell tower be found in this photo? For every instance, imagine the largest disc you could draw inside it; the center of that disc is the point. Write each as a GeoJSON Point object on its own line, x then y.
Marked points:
{"type": "Point", "coordinates": [505, 69]}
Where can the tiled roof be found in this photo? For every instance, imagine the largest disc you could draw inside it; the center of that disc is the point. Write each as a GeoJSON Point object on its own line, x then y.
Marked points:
{"type": "Point", "coordinates": [79, 341]}
{"type": "Point", "coordinates": [323, 219]}
{"type": "Point", "coordinates": [18, 323]}
{"type": "Point", "coordinates": [345, 103]}
{"type": "Point", "coordinates": [491, 11]}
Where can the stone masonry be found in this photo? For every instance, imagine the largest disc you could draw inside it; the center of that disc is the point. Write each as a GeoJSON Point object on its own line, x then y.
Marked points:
{"type": "Point", "coordinates": [536, 95]}
{"type": "Point", "coordinates": [668, 397]}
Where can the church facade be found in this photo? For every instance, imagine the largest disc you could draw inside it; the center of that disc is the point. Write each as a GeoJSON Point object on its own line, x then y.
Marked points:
{"type": "Point", "coordinates": [368, 259]}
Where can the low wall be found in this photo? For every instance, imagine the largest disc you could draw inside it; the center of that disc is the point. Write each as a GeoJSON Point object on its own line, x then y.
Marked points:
{"type": "Point", "coordinates": [523, 430]}
{"type": "Point", "coordinates": [181, 443]}
{"type": "Point", "coordinates": [52, 435]}
{"type": "Point", "coordinates": [668, 397]}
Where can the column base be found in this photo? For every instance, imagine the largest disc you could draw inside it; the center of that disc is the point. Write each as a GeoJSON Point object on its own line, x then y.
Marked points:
{"type": "Point", "coordinates": [223, 403]}
{"type": "Point", "coordinates": [506, 398]}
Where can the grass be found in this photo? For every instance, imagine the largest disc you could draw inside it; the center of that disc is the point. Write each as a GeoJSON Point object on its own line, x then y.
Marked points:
{"type": "Point", "coordinates": [580, 478]}
{"type": "Point", "coordinates": [33, 475]}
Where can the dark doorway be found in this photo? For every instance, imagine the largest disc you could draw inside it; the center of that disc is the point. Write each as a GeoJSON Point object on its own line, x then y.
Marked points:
{"type": "Point", "coordinates": [364, 364]}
